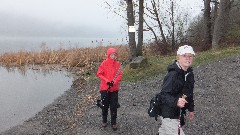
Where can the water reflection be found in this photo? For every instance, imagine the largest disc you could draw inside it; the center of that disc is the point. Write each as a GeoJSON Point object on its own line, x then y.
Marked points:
{"type": "Point", "coordinates": [23, 93]}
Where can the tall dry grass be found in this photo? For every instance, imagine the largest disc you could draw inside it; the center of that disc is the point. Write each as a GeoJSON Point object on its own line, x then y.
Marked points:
{"type": "Point", "coordinates": [67, 58]}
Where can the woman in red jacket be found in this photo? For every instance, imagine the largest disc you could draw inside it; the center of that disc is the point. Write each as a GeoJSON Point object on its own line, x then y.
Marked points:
{"type": "Point", "coordinates": [110, 76]}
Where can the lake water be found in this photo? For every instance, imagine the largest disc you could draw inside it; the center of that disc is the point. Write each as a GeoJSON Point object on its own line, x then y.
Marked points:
{"type": "Point", "coordinates": [24, 93]}
{"type": "Point", "coordinates": [12, 44]}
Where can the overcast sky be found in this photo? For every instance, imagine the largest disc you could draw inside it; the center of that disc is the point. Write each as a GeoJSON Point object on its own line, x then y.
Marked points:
{"type": "Point", "coordinates": [86, 18]}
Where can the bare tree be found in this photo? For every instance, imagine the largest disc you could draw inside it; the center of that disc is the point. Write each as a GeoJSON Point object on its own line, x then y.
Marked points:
{"type": "Point", "coordinates": [173, 25]}
{"type": "Point", "coordinates": [154, 11]}
{"type": "Point", "coordinates": [163, 18]}
{"type": "Point", "coordinates": [154, 17]}
{"type": "Point", "coordinates": [134, 50]}
{"type": "Point", "coordinates": [222, 23]}
{"type": "Point", "coordinates": [214, 13]}
{"type": "Point", "coordinates": [169, 20]}
{"type": "Point", "coordinates": [131, 35]}
{"type": "Point", "coordinates": [140, 28]}
{"type": "Point", "coordinates": [207, 24]}
{"type": "Point", "coordinates": [154, 33]}
{"type": "Point", "coordinates": [235, 12]}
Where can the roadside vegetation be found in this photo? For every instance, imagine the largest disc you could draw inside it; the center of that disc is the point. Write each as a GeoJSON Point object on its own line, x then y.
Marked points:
{"type": "Point", "coordinates": [86, 60]}
{"type": "Point", "coordinates": [158, 64]}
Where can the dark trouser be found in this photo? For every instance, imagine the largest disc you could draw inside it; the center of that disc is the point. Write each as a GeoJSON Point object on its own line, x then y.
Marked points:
{"type": "Point", "coordinates": [109, 99]}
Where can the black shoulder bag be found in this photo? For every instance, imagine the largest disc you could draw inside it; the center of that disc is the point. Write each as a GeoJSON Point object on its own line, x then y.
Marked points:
{"type": "Point", "coordinates": [154, 109]}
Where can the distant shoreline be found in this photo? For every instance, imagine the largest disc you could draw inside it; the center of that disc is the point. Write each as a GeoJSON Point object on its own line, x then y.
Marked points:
{"type": "Point", "coordinates": [13, 44]}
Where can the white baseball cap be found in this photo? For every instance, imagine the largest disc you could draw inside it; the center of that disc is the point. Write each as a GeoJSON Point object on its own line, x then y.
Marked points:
{"type": "Point", "coordinates": [185, 49]}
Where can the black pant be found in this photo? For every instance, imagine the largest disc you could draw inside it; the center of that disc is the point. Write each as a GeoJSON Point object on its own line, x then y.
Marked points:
{"type": "Point", "coordinates": [109, 99]}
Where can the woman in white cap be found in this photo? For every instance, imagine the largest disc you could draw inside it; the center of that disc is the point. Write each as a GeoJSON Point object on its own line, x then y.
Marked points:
{"type": "Point", "coordinates": [177, 93]}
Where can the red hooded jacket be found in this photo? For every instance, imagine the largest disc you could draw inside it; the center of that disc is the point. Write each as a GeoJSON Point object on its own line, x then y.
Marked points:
{"type": "Point", "coordinates": [108, 70]}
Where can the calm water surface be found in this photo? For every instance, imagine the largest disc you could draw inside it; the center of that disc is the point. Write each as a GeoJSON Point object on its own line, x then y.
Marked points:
{"type": "Point", "coordinates": [13, 44]}
{"type": "Point", "coordinates": [24, 93]}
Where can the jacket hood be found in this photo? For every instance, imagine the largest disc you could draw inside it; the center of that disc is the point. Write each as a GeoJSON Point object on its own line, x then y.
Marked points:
{"type": "Point", "coordinates": [175, 66]}
{"type": "Point", "coordinates": [110, 51]}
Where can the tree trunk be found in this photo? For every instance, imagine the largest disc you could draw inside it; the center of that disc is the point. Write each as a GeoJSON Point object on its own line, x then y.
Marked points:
{"type": "Point", "coordinates": [207, 24]}
{"type": "Point", "coordinates": [131, 35]}
{"type": "Point", "coordinates": [214, 14]}
{"type": "Point", "coordinates": [173, 27]}
{"type": "Point", "coordinates": [221, 24]}
{"type": "Point", "coordinates": [159, 22]}
{"type": "Point", "coordinates": [140, 29]}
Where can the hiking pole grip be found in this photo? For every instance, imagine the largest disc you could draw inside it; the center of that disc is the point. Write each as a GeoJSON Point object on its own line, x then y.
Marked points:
{"type": "Point", "coordinates": [184, 96]}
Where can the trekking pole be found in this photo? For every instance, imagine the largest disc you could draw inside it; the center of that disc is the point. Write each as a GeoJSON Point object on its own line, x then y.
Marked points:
{"type": "Point", "coordinates": [179, 119]}
{"type": "Point", "coordinates": [118, 71]}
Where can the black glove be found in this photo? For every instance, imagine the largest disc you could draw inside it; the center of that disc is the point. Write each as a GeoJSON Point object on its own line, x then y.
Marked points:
{"type": "Point", "coordinates": [110, 84]}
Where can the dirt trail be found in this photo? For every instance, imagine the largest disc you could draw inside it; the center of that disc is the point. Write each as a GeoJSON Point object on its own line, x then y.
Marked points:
{"type": "Point", "coordinates": [217, 92]}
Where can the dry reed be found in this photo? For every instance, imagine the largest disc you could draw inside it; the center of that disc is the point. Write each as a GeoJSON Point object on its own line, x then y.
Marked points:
{"type": "Point", "coordinates": [67, 58]}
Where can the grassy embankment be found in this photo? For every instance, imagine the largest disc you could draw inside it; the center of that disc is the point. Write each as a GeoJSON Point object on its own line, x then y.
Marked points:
{"type": "Point", "coordinates": [88, 59]}
{"type": "Point", "coordinates": [158, 65]}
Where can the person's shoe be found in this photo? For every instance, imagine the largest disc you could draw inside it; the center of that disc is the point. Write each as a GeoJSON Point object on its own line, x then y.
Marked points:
{"type": "Point", "coordinates": [104, 125]}
{"type": "Point", "coordinates": [114, 127]}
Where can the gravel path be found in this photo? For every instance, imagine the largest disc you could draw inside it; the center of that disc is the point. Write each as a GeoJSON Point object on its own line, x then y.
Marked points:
{"type": "Point", "coordinates": [217, 92]}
